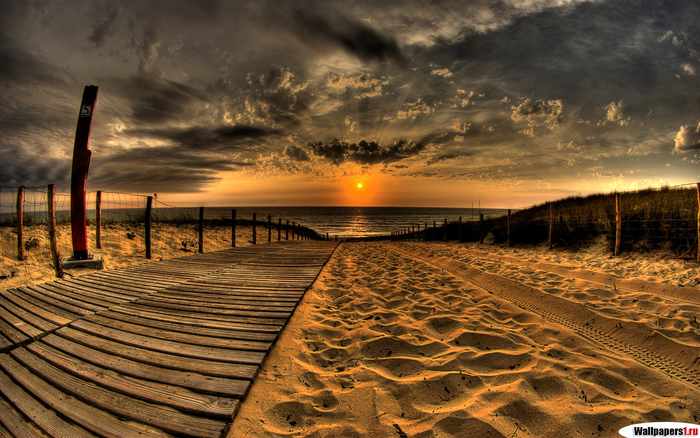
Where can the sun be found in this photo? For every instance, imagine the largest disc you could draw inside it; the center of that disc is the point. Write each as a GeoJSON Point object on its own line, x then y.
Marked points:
{"type": "Point", "coordinates": [359, 185]}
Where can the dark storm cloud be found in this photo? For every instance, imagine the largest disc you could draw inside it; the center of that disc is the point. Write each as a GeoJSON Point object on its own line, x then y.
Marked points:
{"type": "Point", "coordinates": [18, 66]}
{"type": "Point", "coordinates": [104, 27]}
{"type": "Point", "coordinates": [34, 170]}
{"type": "Point", "coordinates": [363, 152]}
{"type": "Point", "coordinates": [154, 100]}
{"type": "Point", "coordinates": [296, 153]}
{"type": "Point", "coordinates": [162, 169]}
{"type": "Point", "coordinates": [222, 138]}
{"type": "Point", "coordinates": [349, 34]}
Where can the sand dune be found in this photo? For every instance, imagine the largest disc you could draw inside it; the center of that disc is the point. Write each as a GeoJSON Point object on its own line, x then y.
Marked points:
{"type": "Point", "coordinates": [435, 340]}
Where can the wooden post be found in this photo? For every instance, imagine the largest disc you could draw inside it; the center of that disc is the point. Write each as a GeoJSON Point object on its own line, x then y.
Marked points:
{"type": "Point", "coordinates": [233, 228]}
{"type": "Point", "coordinates": [255, 230]}
{"type": "Point", "coordinates": [55, 255]}
{"type": "Point", "coordinates": [98, 219]}
{"type": "Point", "coordinates": [698, 187]}
{"type": "Point", "coordinates": [618, 224]}
{"type": "Point", "coordinates": [201, 229]}
{"type": "Point", "coordinates": [481, 228]}
{"type": "Point", "coordinates": [269, 228]}
{"type": "Point", "coordinates": [509, 242]}
{"type": "Point", "coordinates": [293, 229]}
{"type": "Point", "coordinates": [551, 224]}
{"type": "Point", "coordinates": [279, 230]}
{"type": "Point", "coordinates": [286, 231]}
{"type": "Point", "coordinates": [147, 221]}
{"type": "Point", "coordinates": [20, 223]}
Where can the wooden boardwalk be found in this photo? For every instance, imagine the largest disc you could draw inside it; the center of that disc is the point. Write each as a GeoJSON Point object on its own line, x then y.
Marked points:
{"type": "Point", "coordinates": [161, 349]}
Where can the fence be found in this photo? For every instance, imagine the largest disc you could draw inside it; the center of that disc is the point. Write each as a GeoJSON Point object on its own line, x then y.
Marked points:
{"type": "Point", "coordinates": [667, 218]}
{"type": "Point", "coordinates": [128, 226]}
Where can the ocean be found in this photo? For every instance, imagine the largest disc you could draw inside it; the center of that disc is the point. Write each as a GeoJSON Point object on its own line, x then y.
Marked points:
{"type": "Point", "coordinates": [345, 222]}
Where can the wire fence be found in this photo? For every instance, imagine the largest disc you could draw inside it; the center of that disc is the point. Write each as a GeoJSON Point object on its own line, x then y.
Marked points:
{"type": "Point", "coordinates": [650, 219]}
{"type": "Point", "coordinates": [123, 229]}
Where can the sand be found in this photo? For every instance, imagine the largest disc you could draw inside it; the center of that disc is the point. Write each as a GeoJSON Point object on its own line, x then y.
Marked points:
{"type": "Point", "coordinates": [122, 246]}
{"type": "Point", "coordinates": [448, 340]}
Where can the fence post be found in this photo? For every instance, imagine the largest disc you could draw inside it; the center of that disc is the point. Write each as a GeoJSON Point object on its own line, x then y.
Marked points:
{"type": "Point", "coordinates": [147, 220]}
{"type": "Point", "coordinates": [618, 224]}
{"type": "Point", "coordinates": [698, 223]}
{"type": "Point", "coordinates": [201, 229]}
{"type": "Point", "coordinates": [255, 230]}
{"type": "Point", "coordinates": [459, 232]}
{"type": "Point", "coordinates": [279, 230]}
{"type": "Point", "coordinates": [286, 231]}
{"type": "Point", "coordinates": [509, 242]}
{"type": "Point", "coordinates": [269, 228]}
{"type": "Point", "coordinates": [233, 228]}
{"type": "Point", "coordinates": [98, 219]}
{"type": "Point", "coordinates": [293, 229]}
{"type": "Point", "coordinates": [481, 227]}
{"type": "Point", "coordinates": [551, 223]}
{"type": "Point", "coordinates": [55, 256]}
{"type": "Point", "coordinates": [20, 223]}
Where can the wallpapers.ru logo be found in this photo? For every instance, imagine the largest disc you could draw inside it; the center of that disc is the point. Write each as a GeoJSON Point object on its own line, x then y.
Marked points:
{"type": "Point", "coordinates": [661, 429]}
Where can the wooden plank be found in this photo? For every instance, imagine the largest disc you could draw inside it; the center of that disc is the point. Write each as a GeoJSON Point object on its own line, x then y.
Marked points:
{"type": "Point", "coordinates": [268, 317]}
{"type": "Point", "coordinates": [18, 298]}
{"type": "Point", "coordinates": [56, 301]}
{"type": "Point", "coordinates": [94, 282]}
{"type": "Point", "coordinates": [5, 344]}
{"type": "Point", "coordinates": [223, 298]}
{"type": "Point", "coordinates": [12, 334]}
{"type": "Point", "coordinates": [25, 315]}
{"type": "Point", "coordinates": [19, 324]}
{"type": "Point", "coordinates": [174, 396]}
{"type": "Point", "coordinates": [194, 324]}
{"type": "Point", "coordinates": [99, 290]}
{"type": "Point", "coordinates": [81, 296]}
{"type": "Point", "coordinates": [204, 384]}
{"type": "Point", "coordinates": [170, 347]}
{"type": "Point", "coordinates": [120, 405]}
{"type": "Point", "coordinates": [79, 413]}
{"type": "Point", "coordinates": [44, 418]}
{"type": "Point", "coordinates": [206, 303]}
{"type": "Point", "coordinates": [207, 367]}
{"type": "Point", "coordinates": [175, 336]}
{"type": "Point", "coordinates": [264, 323]}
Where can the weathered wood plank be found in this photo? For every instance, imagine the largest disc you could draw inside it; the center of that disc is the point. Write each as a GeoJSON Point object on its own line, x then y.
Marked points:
{"type": "Point", "coordinates": [262, 322]}
{"type": "Point", "coordinates": [25, 315]}
{"type": "Point", "coordinates": [54, 300]}
{"type": "Point", "coordinates": [192, 324]}
{"type": "Point", "coordinates": [23, 326]}
{"type": "Point", "coordinates": [171, 347]}
{"type": "Point", "coordinates": [80, 295]}
{"type": "Point", "coordinates": [164, 394]}
{"type": "Point", "coordinates": [18, 298]}
{"type": "Point", "coordinates": [165, 360]}
{"type": "Point", "coordinates": [262, 316]}
{"type": "Point", "coordinates": [78, 412]}
{"type": "Point", "coordinates": [16, 425]}
{"type": "Point", "coordinates": [12, 334]}
{"type": "Point", "coordinates": [122, 406]}
{"type": "Point", "coordinates": [203, 384]}
{"type": "Point", "coordinates": [44, 418]}
{"type": "Point", "coordinates": [204, 302]}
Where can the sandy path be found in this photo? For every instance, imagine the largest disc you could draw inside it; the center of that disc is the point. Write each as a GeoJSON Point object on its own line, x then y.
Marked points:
{"type": "Point", "coordinates": [390, 343]}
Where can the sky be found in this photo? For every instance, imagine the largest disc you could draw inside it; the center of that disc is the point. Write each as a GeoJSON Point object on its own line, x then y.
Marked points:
{"type": "Point", "coordinates": [296, 102]}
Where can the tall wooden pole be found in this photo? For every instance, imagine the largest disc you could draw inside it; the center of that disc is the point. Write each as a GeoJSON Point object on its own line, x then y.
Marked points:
{"type": "Point", "coordinates": [147, 224]}
{"type": "Point", "coordinates": [509, 242]}
{"type": "Point", "coordinates": [79, 174]}
{"type": "Point", "coordinates": [233, 228]}
{"type": "Point", "coordinates": [20, 223]}
{"type": "Point", "coordinates": [698, 188]}
{"type": "Point", "coordinates": [618, 224]}
{"type": "Point", "coordinates": [201, 229]}
{"type": "Point", "coordinates": [98, 219]}
{"type": "Point", "coordinates": [55, 255]}
{"type": "Point", "coordinates": [551, 223]}
{"type": "Point", "coordinates": [255, 230]}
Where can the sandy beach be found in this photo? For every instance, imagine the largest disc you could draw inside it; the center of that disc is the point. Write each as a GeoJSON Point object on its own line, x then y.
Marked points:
{"type": "Point", "coordinates": [448, 340]}
{"type": "Point", "coordinates": [122, 245]}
